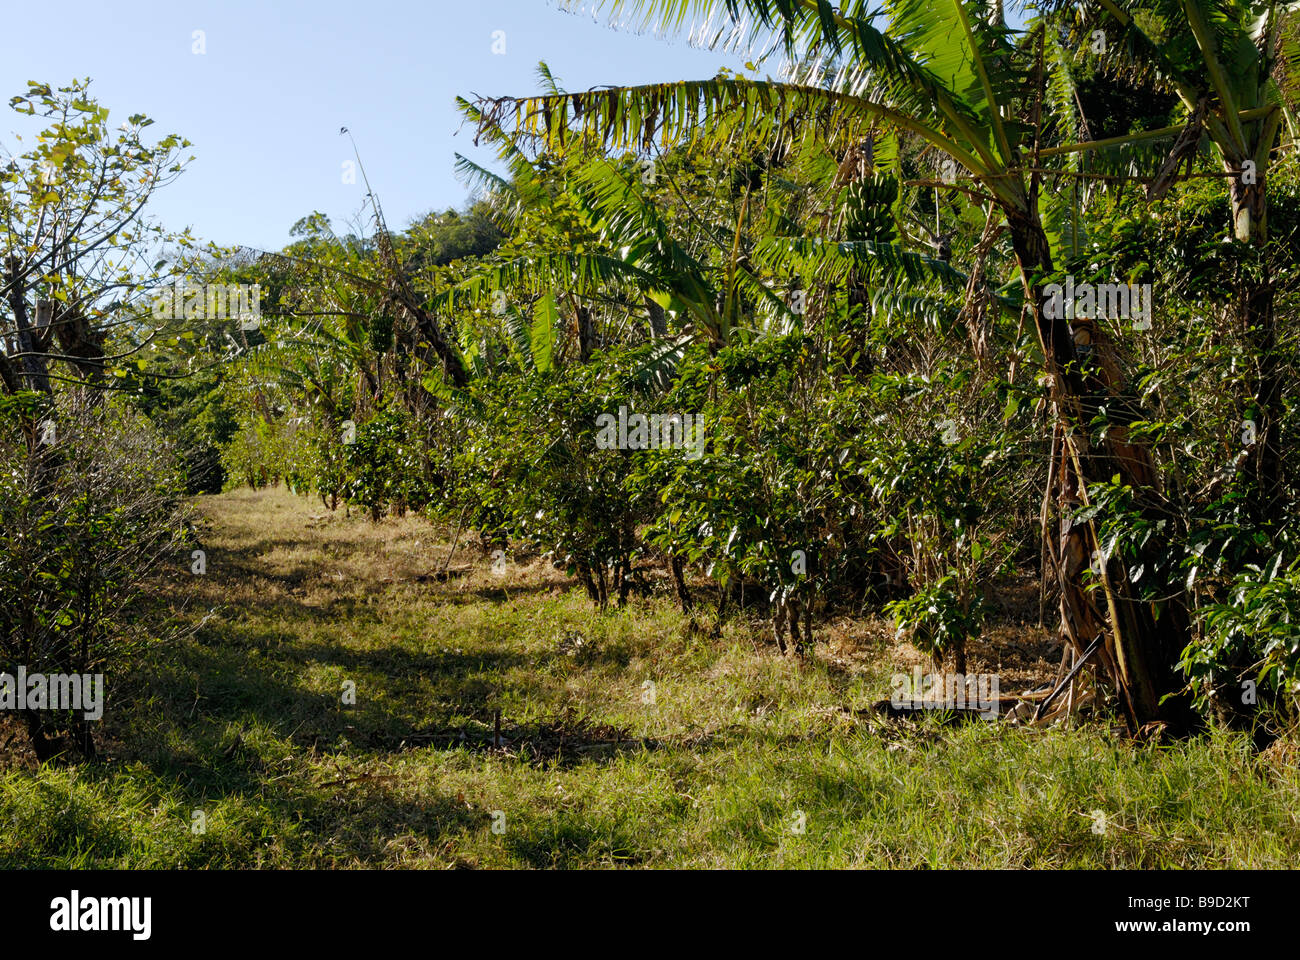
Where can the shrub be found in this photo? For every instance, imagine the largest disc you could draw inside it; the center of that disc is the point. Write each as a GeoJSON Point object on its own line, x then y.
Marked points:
{"type": "Point", "coordinates": [89, 510]}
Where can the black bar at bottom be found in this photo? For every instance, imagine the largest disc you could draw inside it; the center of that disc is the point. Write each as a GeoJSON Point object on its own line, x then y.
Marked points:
{"type": "Point", "coordinates": [944, 909]}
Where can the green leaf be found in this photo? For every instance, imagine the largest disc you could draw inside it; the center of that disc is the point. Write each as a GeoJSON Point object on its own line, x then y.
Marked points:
{"type": "Point", "coordinates": [542, 334]}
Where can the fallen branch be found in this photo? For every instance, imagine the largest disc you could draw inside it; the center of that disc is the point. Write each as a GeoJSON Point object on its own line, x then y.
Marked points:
{"type": "Point", "coordinates": [1092, 648]}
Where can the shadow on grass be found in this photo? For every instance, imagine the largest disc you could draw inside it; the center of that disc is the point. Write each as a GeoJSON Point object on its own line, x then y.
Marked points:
{"type": "Point", "coordinates": [572, 840]}
{"type": "Point", "coordinates": [76, 819]}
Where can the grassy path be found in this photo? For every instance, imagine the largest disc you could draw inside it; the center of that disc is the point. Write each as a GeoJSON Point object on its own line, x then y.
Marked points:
{"type": "Point", "coordinates": [625, 739]}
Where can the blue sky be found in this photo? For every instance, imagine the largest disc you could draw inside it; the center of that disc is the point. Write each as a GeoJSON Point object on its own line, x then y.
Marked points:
{"type": "Point", "coordinates": [263, 105]}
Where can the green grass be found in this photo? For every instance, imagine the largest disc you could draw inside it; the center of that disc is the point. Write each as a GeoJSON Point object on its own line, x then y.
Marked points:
{"type": "Point", "coordinates": [243, 721]}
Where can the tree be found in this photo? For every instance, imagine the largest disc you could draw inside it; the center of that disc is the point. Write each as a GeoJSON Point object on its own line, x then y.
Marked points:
{"type": "Point", "coordinates": [75, 243]}
{"type": "Point", "coordinates": [90, 502]}
{"type": "Point", "coordinates": [1221, 58]}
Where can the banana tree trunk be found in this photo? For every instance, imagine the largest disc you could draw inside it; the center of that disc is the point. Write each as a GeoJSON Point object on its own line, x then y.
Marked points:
{"type": "Point", "coordinates": [1258, 325]}
{"type": "Point", "coordinates": [1140, 645]}
{"type": "Point", "coordinates": [586, 332]}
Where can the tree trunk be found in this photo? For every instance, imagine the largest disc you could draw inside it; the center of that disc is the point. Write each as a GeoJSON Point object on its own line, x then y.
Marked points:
{"type": "Point", "coordinates": [429, 328]}
{"type": "Point", "coordinates": [658, 319]}
{"type": "Point", "coordinates": [1140, 647]}
{"type": "Point", "coordinates": [32, 358]}
{"type": "Point", "coordinates": [1258, 327]}
{"type": "Point", "coordinates": [45, 747]}
{"type": "Point", "coordinates": [679, 582]}
{"type": "Point", "coordinates": [586, 333]}
{"type": "Point", "coordinates": [588, 581]}
{"type": "Point", "coordinates": [779, 614]}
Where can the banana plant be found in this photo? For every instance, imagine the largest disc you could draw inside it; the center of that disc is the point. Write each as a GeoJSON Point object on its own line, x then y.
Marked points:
{"type": "Point", "coordinates": [634, 249]}
{"type": "Point", "coordinates": [1221, 58]}
{"type": "Point", "coordinates": [953, 75]}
